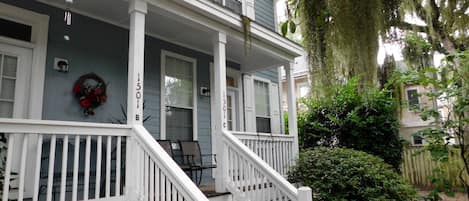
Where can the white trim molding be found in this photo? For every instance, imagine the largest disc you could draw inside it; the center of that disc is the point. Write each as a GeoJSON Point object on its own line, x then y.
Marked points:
{"type": "Point", "coordinates": [164, 54]}
{"type": "Point", "coordinates": [40, 27]}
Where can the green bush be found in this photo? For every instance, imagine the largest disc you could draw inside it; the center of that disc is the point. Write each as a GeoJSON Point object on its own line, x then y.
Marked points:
{"type": "Point", "coordinates": [360, 120]}
{"type": "Point", "coordinates": [344, 174]}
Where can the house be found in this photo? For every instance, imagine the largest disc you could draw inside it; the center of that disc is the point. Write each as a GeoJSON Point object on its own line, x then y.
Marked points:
{"type": "Point", "coordinates": [302, 84]}
{"type": "Point", "coordinates": [410, 121]}
{"type": "Point", "coordinates": [206, 70]}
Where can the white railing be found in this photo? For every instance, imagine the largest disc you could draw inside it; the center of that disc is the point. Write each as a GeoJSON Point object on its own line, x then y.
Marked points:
{"type": "Point", "coordinates": [56, 160]}
{"type": "Point", "coordinates": [162, 178]}
{"type": "Point", "coordinates": [275, 149]}
{"type": "Point", "coordinates": [51, 160]}
{"type": "Point", "coordinates": [248, 177]}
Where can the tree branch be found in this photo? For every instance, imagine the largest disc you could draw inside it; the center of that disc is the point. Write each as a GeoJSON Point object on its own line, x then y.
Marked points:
{"type": "Point", "coordinates": [419, 10]}
{"type": "Point", "coordinates": [410, 27]}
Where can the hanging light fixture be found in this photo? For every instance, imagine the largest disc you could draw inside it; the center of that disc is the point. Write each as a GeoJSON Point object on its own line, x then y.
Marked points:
{"type": "Point", "coordinates": [68, 13]}
{"type": "Point", "coordinates": [67, 17]}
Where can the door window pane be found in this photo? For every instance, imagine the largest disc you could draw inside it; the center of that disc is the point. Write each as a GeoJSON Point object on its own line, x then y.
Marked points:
{"type": "Point", "coordinates": [8, 89]}
{"type": "Point", "coordinates": [9, 66]}
{"type": "Point", "coordinates": [6, 109]}
{"type": "Point", "coordinates": [179, 82]}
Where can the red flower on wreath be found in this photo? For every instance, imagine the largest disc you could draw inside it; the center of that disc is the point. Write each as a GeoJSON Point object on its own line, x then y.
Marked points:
{"type": "Point", "coordinates": [76, 88]}
{"type": "Point", "coordinates": [85, 103]}
{"type": "Point", "coordinates": [90, 90]}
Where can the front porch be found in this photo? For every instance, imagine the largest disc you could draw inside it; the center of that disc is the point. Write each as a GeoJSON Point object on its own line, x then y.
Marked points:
{"type": "Point", "coordinates": [165, 43]}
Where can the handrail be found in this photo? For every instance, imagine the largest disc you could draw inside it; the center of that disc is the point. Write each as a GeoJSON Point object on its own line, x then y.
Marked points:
{"type": "Point", "coordinates": [62, 127]}
{"type": "Point", "coordinates": [263, 135]}
{"type": "Point", "coordinates": [263, 167]}
{"type": "Point", "coordinates": [175, 174]}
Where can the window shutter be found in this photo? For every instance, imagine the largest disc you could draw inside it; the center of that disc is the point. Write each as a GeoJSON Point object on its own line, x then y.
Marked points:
{"type": "Point", "coordinates": [249, 104]}
{"type": "Point", "coordinates": [274, 109]}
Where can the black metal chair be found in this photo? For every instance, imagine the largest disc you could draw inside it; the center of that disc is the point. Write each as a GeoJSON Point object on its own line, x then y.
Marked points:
{"type": "Point", "coordinates": [194, 159]}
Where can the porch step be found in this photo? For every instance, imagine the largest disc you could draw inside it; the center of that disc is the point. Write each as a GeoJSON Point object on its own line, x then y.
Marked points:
{"type": "Point", "coordinates": [209, 191]}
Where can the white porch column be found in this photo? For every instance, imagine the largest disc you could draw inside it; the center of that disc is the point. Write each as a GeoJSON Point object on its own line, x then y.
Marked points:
{"type": "Point", "coordinates": [219, 93]}
{"type": "Point", "coordinates": [291, 99]}
{"type": "Point", "coordinates": [137, 11]}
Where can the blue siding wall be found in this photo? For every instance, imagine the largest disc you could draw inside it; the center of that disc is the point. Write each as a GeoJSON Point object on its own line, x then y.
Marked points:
{"type": "Point", "coordinates": [265, 13]}
{"type": "Point", "coordinates": [102, 48]}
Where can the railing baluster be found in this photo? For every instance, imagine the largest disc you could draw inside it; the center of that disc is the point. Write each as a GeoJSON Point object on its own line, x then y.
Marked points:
{"type": "Point", "coordinates": [63, 178]}
{"type": "Point", "coordinates": [118, 165]}
{"type": "Point", "coordinates": [152, 181]}
{"type": "Point", "coordinates": [145, 176]}
{"type": "Point", "coordinates": [6, 183]}
{"type": "Point", "coordinates": [22, 167]}
{"type": "Point", "coordinates": [50, 172]}
{"type": "Point", "coordinates": [163, 186]}
{"type": "Point", "coordinates": [168, 189]}
{"type": "Point", "coordinates": [99, 148]}
{"type": "Point", "coordinates": [108, 166]}
{"type": "Point", "coordinates": [37, 170]}
{"type": "Point", "coordinates": [157, 183]}
{"type": "Point", "coordinates": [173, 193]}
{"type": "Point", "coordinates": [76, 160]}
{"type": "Point", "coordinates": [87, 168]}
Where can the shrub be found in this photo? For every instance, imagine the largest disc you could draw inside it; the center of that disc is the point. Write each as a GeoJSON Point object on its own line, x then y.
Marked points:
{"type": "Point", "coordinates": [360, 120]}
{"type": "Point", "coordinates": [346, 174]}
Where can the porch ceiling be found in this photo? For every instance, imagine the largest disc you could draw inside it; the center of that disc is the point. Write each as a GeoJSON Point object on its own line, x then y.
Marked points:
{"type": "Point", "coordinates": [177, 28]}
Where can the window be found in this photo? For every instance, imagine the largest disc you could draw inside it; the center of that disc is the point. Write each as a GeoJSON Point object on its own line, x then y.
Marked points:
{"type": "Point", "coordinates": [179, 98]}
{"type": "Point", "coordinates": [303, 90]}
{"type": "Point", "coordinates": [262, 96]}
{"type": "Point", "coordinates": [413, 98]}
{"type": "Point", "coordinates": [417, 140]}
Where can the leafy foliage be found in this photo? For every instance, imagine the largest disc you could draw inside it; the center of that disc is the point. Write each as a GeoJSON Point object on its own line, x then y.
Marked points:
{"type": "Point", "coordinates": [346, 174]}
{"type": "Point", "coordinates": [451, 90]}
{"type": "Point", "coordinates": [353, 119]}
{"type": "Point", "coordinates": [341, 37]}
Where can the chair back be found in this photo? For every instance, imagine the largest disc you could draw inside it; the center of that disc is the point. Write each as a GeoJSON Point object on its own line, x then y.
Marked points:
{"type": "Point", "coordinates": [166, 145]}
{"type": "Point", "coordinates": [191, 148]}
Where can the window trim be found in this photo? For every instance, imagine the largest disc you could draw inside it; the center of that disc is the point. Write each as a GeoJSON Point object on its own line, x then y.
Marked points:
{"type": "Point", "coordinates": [164, 54]}
{"type": "Point", "coordinates": [298, 90]}
{"type": "Point", "coordinates": [416, 88]}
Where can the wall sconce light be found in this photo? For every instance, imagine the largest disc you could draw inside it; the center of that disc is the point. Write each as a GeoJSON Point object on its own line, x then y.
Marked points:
{"type": "Point", "coordinates": [204, 91]}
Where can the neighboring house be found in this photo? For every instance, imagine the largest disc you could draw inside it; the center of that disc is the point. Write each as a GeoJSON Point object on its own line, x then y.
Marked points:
{"type": "Point", "coordinates": [410, 121]}
{"type": "Point", "coordinates": [301, 70]}
{"type": "Point", "coordinates": [302, 84]}
{"type": "Point", "coordinates": [185, 59]}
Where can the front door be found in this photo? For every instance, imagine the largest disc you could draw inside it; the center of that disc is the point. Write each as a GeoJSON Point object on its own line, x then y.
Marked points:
{"type": "Point", "coordinates": [15, 68]}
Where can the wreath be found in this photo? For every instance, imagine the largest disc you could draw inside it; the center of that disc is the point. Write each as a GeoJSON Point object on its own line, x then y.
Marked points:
{"type": "Point", "coordinates": [90, 90]}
